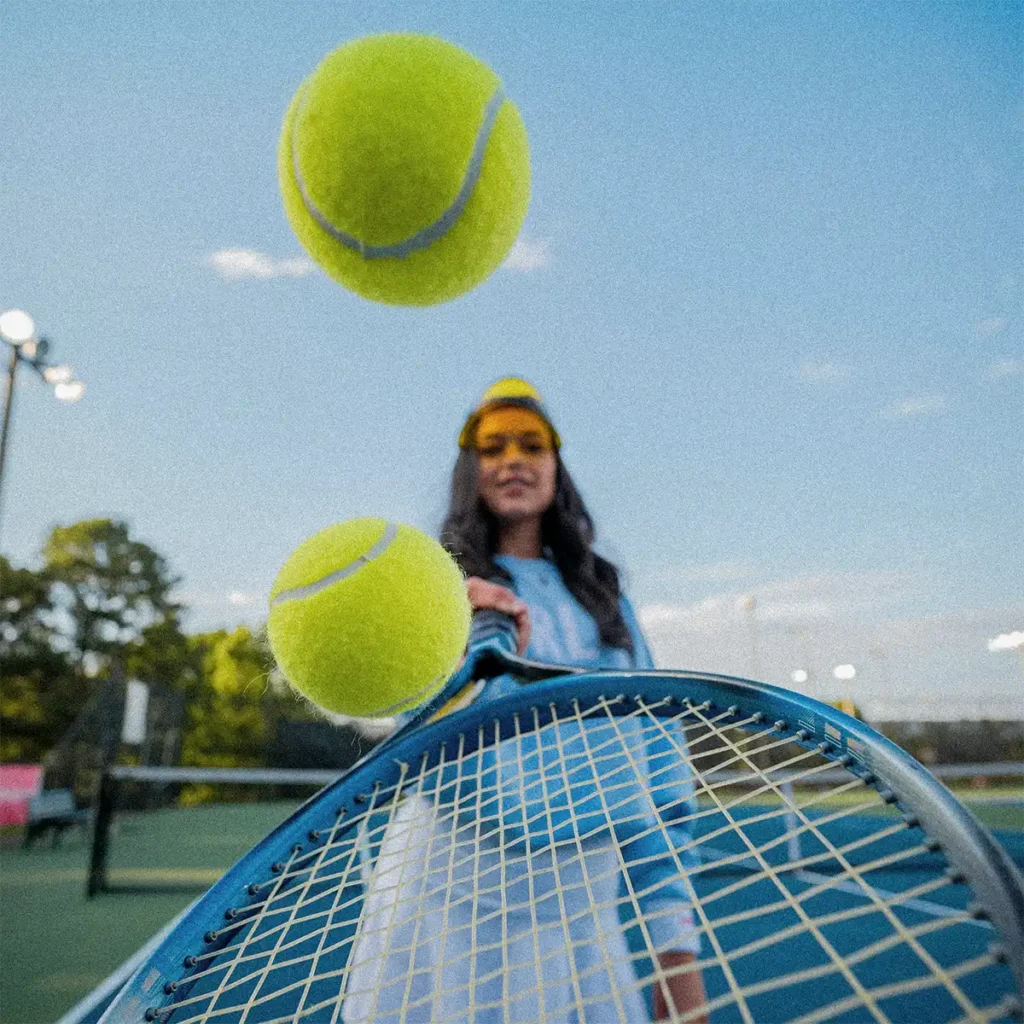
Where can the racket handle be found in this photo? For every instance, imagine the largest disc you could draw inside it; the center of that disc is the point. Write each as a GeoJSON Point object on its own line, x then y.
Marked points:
{"type": "Point", "coordinates": [495, 628]}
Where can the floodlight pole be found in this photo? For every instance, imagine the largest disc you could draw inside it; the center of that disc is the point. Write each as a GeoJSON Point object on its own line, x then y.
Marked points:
{"type": "Point", "coordinates": [12, 370]}
{"type": "Point", "coordinates": [18, 333]}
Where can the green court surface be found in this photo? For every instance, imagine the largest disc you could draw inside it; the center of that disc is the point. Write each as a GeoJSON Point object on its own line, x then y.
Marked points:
{"type": "Point", "coordinates": [56, 946]}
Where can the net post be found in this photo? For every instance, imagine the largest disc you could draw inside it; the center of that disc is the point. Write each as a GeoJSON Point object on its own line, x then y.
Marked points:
{"type": "Point", "coordinates": [106, 804]}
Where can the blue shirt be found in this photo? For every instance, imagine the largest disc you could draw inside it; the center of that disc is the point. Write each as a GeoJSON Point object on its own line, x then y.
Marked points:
{"type": "Point", "coordinates": [563, 632]}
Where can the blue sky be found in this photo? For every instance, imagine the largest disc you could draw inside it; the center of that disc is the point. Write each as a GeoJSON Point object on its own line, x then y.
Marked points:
{"type": "Point", "coordinates": [770, 285]}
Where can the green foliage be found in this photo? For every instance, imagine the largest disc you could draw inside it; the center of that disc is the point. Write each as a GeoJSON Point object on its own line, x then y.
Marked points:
{"type": "Point", "coordinates": [38, 693]}
{"type": "Point", "coordinates": [110, 588]}
{"type": "Point", "coordinates": [102, 599]}
{"type": "Point", "coordinates": [226, 724]}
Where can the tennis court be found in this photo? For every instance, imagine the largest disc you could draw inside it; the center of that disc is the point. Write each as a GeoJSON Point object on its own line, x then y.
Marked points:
{"type": "Point", "coordinates": [57, 946]}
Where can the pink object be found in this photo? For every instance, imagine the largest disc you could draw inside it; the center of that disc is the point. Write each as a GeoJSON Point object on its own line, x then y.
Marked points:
{"type": "Point", "coordinates": [18, 784]}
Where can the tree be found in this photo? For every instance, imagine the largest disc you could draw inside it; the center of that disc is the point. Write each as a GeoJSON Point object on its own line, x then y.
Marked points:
{"type": "Point", "coordinates": [37, 695]}
{"type": "Point", "coordinates": [108, 589]}
{"type": "Point", "coordinates": [230, 712]}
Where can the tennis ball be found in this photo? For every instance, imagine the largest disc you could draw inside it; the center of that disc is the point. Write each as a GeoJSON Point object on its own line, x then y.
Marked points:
{"type": "Point", "coordinates": [369, 618]}
{"type": "Point", "coordinates": [404, 169]}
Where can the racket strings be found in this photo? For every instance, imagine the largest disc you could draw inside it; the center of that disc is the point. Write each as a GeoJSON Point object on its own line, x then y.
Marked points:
{"type": "Point", "coordinates": [869, 999]}
{"type": "Point", "coordinates": [434, 894]}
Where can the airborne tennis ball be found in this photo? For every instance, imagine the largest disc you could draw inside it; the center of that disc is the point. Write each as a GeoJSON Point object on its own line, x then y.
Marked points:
{"type": "Point", "coordinates": [368, 618]}
{"type": "Point", "coordinates": [404, 168]}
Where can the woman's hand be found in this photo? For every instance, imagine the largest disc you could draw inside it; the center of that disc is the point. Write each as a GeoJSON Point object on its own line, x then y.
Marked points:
{"type": "Point", "coordinates": [484, 594]}
{"type": "Point", "coordinates": [687, 989]}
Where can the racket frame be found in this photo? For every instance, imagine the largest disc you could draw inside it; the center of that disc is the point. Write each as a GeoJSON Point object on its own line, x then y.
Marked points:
{"type": "Point", "coordinates": [899, 779]}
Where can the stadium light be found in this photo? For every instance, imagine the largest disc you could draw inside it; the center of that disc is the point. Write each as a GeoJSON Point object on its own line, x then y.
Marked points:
{"type": "Point", "coordinates": [17, 327]}
{"type": "Point", "coordinates": [18, 333]}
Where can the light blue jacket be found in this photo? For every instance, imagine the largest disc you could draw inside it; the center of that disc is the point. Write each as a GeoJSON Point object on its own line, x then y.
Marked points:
{"type": "Point", "coordinates": [563, 632]}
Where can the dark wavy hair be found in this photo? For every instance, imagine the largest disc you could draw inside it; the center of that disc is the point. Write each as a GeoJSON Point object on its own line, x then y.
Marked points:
{"type": "Point", "coordinates": [470, 533]}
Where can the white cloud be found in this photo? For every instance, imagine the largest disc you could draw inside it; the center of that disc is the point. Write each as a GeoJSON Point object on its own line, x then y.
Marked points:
{"type": "Point", "coordinates": [1007, 642]}
{"type": "Point", "coordinates": [1007, 368]}
{"type": "Point", "coordinates": [907, 665]}
{"type": "Point", "coordinates": [527, 255]}
{"type": "Point", "coordinates": [824, 372]}
{"type": "Point", "coordinates": [243, 264]}
{"type": "Point", "coordinates": [928, 405]}
{"type": "Point", "coordinates": [795, 599]}
{"type": "Point", "coordinates": [993, 325]}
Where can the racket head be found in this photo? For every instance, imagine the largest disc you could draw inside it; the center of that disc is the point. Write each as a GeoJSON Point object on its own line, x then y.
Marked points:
{"type": "Point", "coordinates": [976, 889]}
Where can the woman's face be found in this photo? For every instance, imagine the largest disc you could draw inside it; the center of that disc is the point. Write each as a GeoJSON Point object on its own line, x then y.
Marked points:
{"type": "Point", "coordinates": [516, 463]}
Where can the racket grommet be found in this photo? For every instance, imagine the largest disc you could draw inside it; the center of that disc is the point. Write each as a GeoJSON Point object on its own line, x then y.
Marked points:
{"type": "Point", "coordinates": [297, 848]}
{"type": "Point", "coordinates": [933, 846]}
{"type": "Point", "coordinates": [190, 961]}
{"type": "Point", "coordinates": [887, 795]}
{"type": "Point", "coordinates": [911, 820]}
{"type": "Point", "coordinates": [313, 835]}
{"type": "Point", "coordinates": [359, 798]}
{"type": "Point", "coordinates": [277, 867]}
{"type": "Point", "coordinates": [998, 953]}
{"type": "Point", "coordinates": [152, 1013]}
{"type": "Point", "coordinates": [253, 888]}
{"type": "Point", "coordinates": [732, 709]}
{"type": "Point", "coordinates": [230, 914]}
{"type": "Point", "coordinates": [846, 760]}
{"type": "Point", "coordinates": [757, 716]}
{"type": "Point", "coordinates": [1013, 1007]}
{"type": "Point", "coordinates": [977, 911]}
{"type": "Point", "coordinates": [954, 875]}
{"type": "Point", "coordinates": [824, 747]}
{"type": "Point", "coordinates": [868, 778]}
{"type": "Point", "coordinates": [801, 734]}
{"type": "Point", "coordinates": [210, 937]}
{"type": "Point", "coordinates": [170, 987]}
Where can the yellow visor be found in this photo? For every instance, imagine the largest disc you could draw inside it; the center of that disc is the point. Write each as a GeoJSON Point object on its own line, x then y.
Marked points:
{"type": "Point", "coordinates": [500, 428]}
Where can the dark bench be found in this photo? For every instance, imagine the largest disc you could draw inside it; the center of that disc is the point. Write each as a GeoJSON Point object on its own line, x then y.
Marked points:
{"type": "Point", "coordinates": [53, 809]}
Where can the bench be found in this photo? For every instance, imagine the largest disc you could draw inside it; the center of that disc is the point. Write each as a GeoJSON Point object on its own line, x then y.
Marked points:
{"type": "Point", "coordinates": [53, 809]}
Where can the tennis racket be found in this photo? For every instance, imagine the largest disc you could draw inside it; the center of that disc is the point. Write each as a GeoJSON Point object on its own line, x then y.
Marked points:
{"type": "Point", "coordinates": [532, 857]}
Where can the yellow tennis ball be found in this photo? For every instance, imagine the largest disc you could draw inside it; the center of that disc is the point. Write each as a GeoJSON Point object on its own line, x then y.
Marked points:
{"type": "Point", "coordinates": [404, 169]}
{"type": "Point", "coordinates": [369, 618]}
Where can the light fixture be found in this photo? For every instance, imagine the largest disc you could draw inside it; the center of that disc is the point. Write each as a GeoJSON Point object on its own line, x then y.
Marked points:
{"type": "Point", "coordinates": [69, 391]}
{"type": "Point", "coordinates": [16, 326]}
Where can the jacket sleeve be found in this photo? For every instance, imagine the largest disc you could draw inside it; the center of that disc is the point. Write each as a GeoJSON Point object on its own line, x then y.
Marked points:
{"type": "Point", "coordinates": [661, 890]}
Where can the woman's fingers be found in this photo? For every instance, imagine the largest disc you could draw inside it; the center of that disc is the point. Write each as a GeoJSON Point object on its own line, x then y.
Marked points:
{"type": "Point", "coordinates": [484, 594]}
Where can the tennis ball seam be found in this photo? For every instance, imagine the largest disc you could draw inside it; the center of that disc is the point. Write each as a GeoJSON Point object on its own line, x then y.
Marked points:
{"type": "Point", "coordinates": [309, 589]}
{"type": "Point", "coordinates": [415, 699]}
{"type": "Point", "coordinates": [425, 237]}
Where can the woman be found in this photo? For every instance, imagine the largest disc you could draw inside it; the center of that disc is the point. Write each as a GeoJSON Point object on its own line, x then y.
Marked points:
{"type": "Point", "coordinates": [520, 531]}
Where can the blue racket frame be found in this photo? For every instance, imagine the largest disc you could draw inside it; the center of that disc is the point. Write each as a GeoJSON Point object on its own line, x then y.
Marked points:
{"type": "Point", "coordinates": [899, 778]}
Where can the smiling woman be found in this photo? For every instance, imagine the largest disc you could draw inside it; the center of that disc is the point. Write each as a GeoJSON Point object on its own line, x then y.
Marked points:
{"type": "Point", "coordinates": [521, 532]}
